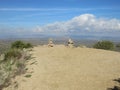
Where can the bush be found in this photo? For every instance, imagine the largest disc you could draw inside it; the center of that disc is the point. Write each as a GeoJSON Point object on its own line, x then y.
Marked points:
{"type": "Point", "coordinates": [107, 45]}
{"type": "Point", "coordinates": [17, 44]}
{"type": "Point", "coordinates": [28, 45]}
{"type": "Point", "coordinates": [20, 45]}
{"type": "Point", "coordinates": [13, 53]}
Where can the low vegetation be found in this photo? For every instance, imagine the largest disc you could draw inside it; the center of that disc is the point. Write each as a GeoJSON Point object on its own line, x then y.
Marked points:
{"type": "Point", "coordinates": [12, 62]}
{"type": "Point", "coordinates": [20, 45]}
{"type": "Point", "coordinates": [107, 45]}
{"type": "Point", "coordinates": [28, 76]}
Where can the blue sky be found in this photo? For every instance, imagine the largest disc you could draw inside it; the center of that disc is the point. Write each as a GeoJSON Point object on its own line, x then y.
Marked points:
{"type": "Point", "coordinates": [30, 14]}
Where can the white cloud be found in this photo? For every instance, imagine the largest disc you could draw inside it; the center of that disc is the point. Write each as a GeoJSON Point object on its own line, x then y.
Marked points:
{"type": "Point", "coordinates": [82, 23]}
{"type": "Point", "coordinates": [85, 24]}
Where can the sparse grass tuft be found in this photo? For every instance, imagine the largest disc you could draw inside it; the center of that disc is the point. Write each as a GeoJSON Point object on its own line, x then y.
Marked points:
{"type": "Point", "coordinates": [28, 76]}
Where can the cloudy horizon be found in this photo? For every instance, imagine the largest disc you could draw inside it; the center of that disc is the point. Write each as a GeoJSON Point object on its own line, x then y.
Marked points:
{"type": "Point", "coordinates": [59, 18]}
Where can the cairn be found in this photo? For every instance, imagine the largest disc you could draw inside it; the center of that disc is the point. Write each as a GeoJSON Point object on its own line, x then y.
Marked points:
{"type": "Point", "coordinates": [50, 43]}
{"type": "Point", "coordinates": [70, 43]}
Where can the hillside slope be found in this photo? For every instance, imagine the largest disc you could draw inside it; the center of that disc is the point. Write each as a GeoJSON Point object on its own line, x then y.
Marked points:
{"type": "Point", "coordinates": [62, 68]}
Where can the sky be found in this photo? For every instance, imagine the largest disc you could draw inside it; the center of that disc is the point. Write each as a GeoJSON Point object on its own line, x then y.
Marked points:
{"type": "Point", "coordinates": [59, 17]}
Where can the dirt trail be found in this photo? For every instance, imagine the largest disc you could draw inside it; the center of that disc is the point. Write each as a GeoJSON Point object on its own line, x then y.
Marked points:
{"type": "Point", "coordinates": [62, 68]}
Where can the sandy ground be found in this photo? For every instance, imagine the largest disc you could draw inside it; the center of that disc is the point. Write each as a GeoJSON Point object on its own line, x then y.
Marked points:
{"type": "Point", "coordinates": [63, 68]}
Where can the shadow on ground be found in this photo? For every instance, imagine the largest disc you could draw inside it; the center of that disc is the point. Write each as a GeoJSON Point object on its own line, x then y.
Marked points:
{"type": "Point", "coordinates": [115, 87]}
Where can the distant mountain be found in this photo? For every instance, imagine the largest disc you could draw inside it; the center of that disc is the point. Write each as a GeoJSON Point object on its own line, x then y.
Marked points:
{"type": "Point", "coordinates": [61, 37]}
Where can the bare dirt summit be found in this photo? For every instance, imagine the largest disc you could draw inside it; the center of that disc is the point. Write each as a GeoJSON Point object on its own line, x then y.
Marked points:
{"type": "Point", "coordinates": [63, 68]}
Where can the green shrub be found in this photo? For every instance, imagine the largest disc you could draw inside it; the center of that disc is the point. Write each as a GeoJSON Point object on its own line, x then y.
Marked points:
{"type": "Point", "coordinates": [107, 45]}
{"type": "Point", "coordinates": [17, 44]}
{"type": "Point", "coordinates": [21, 45]}
{"type": "Point", "coordinates": [28, 45]}
{"type": "Point", "coordinates": [13, 53]}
